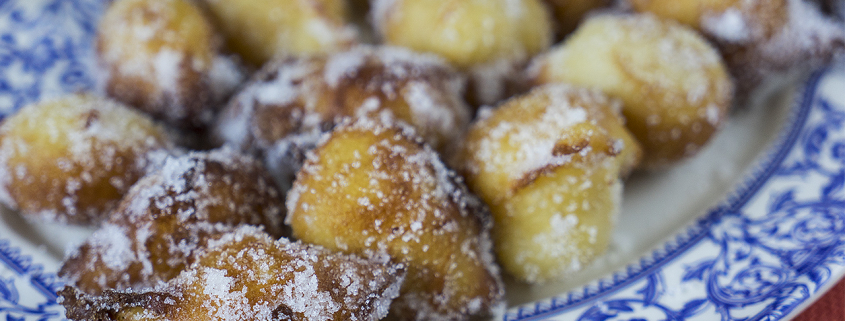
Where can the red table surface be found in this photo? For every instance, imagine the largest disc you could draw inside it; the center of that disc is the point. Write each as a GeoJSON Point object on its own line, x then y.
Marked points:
{"type": "Point", "coordinates": [831, 307]}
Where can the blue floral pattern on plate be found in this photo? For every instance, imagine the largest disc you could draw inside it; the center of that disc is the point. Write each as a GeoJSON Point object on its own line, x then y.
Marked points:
{"type": "Point", "coordinates": [771, 247]}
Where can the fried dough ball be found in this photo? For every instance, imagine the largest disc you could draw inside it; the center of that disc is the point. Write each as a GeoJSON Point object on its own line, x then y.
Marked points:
{"type": "Point", "coordinates": [569, 13]}
{"type": "Point", "coordinates": [548, 164]}
{"type": "Point", "coordinates": [161, 56]}
{"type": "Point", "coordinates": [71, 159]}
{"type": "Point", "coordinates": [246, 275]}
{"type": "Point", "coordinates": [259, 30]}
{"type": "Point", "coordinates": [286, 108]}
{"type": "Point", "coordinates": [759, 37]}
{"type": "Point", "coordinates": [674, 86]}
{"type": "Point", "coordinates": [373, 188]}
{"type": "Point", "coordinates": [489, 39]}
{"type": "Point", "coordinates": [170, 214]}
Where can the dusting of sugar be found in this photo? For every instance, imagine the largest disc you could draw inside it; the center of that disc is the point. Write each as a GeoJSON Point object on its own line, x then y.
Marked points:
{"type": "Point", "coordinates": [342, 64]}
{"type": "Point", "coordinates": [224, 76]}
{"type": "Point", "coordinates": [534, 143]}
{"type": "Point", "coordinates": [166, 65]}
{"type": "Point", "coordinates": [713, 114]}
{"type": "Point", "coordinates": [488, 80]}
{"type": "Point", "coordinates": [114, 245]}
{"type": "Point", "coordinates": [729, 25]}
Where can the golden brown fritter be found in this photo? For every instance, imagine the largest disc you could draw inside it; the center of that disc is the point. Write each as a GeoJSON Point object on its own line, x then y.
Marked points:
{"type": "Point", "coordinates": [286, 108]}
{"type": "Point", "coordinates": [489, 39]}
{"type": "Point", "coordinates": [260, 30]}
{"type": "Point", "coordinates": [162, 57]}
{"type": "Point", "coordinates": [548, 164]}
{"type": "Point", "coordinates": [373, 188]}
{"type": "Point", "coordinates": [759, 38]}
{"type": "Point", "coordinates": [170, 214]}
{"type": "Point", "coordinates": [674, 85]}
{"type": "Point", "coordinates": [71, 159]}
{"type": "Point", "coordinates": [246, 275]}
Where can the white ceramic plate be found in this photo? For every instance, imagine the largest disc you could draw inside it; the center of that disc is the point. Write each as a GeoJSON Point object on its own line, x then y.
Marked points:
{"type": "Point", "coordinates": [751, 229]}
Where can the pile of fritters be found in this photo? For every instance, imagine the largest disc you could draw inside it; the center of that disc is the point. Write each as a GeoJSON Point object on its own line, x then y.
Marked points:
{"type": "Point", "coordinates": [269, 160]}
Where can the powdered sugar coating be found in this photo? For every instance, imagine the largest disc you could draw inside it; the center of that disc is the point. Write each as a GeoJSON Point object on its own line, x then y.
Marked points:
{"type": "Point", "coordinates": [71, 159]}
{"type": "Point", "coordinates": [169, 215]}
{"type": "Point", "coordinates": [282, 112]}
{"type": "Point", "coordinates": [246, 275]}
{"type": "Point", "coordinates": [372, 187]}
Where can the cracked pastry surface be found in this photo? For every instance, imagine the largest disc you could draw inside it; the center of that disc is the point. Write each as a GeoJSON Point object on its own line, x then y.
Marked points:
{"type": "Point", "coordinates": [548, 163]}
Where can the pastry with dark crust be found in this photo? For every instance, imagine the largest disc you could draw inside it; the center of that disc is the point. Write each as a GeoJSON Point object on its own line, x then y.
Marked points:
{"type": "Point", "coordinates": [169, 215]}
{"type": "Point", "coordinates": [247, 275]}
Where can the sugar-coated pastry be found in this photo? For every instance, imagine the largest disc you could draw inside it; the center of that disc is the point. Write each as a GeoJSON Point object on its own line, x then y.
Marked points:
{"type": "Point", "coordinates": [247, 275]}
{"type": "Point", "coordinates": [169, 215]}
{"type": "Point", "coordinates": [674, 85]}
{"type": "Point", "coordinates": [161, 56]}
{"type": "Point", "coordinates": [374, 188]}
{"type": "Point", "coordinates": [760, 38]}
{"type": "Point", "coordinates": [567, 14]}
{"type": "Point", "coordinates": [489, 39]}
{"type": "Point", "coordinates": [548, 164]}
{"type": "Point", "coordinates": [71, 159]}
{"type": "Point", "coordinates": [290, 103]}
{"type": "Point", "coordinates": [259, 30]}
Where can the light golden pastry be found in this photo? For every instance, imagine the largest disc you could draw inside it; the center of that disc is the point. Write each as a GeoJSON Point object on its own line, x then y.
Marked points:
{"type": "Point", "coordinates": [548, 163]}
{"type": "Point", "coordinates": [71, 159]}
{"type": "Point", "coordinates": [169, 215]}
{"type": "Point", "coordinates": [489, 39]}
{"type": "Point", "coordinates": [260, 30]}
{"type": "Point", "coordinates": [674, 85]}
{"type": "Point", "coordinates": [759, 38]}
{"type": "Point", "coordinates": [247, 275]}
{"type": "Point", "coordinates": [374, 188]}
{"type": "Point", "coordinates": [290, 103]}
{"type": "Point", "coordinates": [161, 56]}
